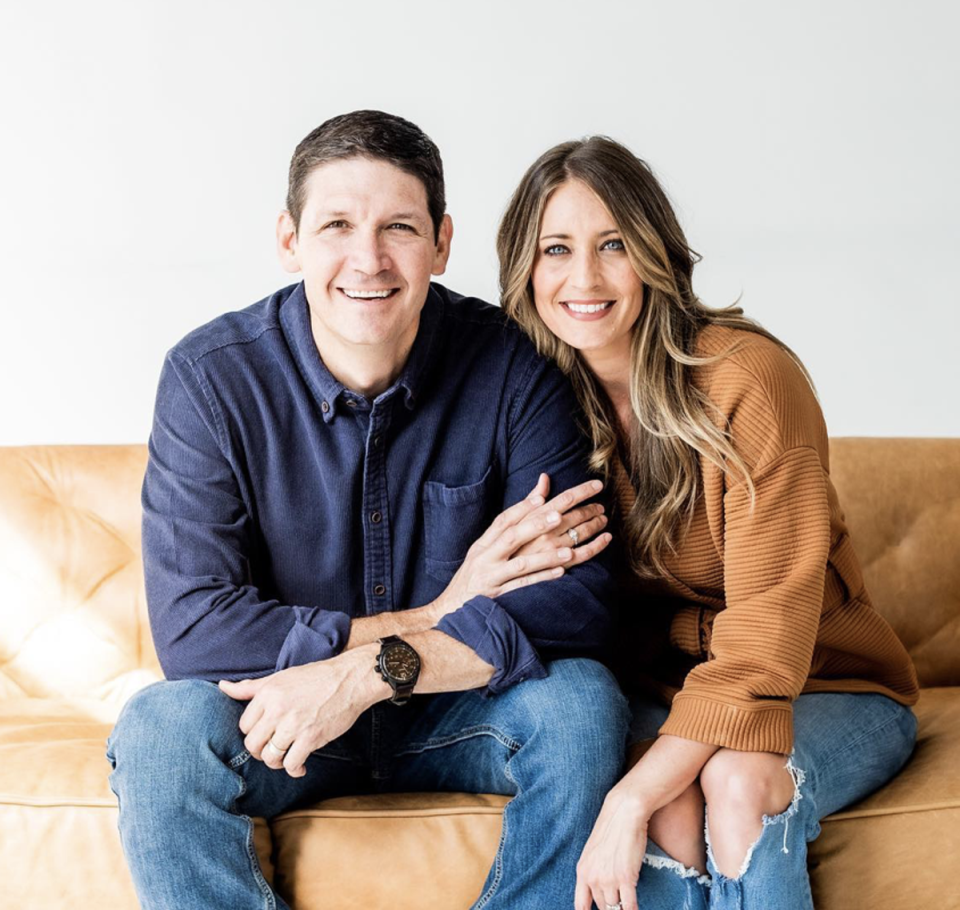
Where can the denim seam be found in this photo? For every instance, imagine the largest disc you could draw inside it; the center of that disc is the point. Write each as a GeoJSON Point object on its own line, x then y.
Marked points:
{"type": "Point", "coordinates": [269, 899]}
{"type": "Point", "coordinates": [454, 738]}
{"type": "Point", "coordinates": [490, 893]}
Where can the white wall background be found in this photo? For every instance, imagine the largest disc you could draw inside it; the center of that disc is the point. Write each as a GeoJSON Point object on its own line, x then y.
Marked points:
{"type": "Point", "coordinates": [811, 150]}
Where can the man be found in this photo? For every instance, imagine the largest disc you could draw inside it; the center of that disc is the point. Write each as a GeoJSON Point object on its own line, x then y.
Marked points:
{"type": "Point", "coordinates": [320, 465]}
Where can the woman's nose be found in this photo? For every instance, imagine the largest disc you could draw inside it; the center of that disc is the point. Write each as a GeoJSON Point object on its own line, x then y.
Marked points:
{"type": "Point", "coordinates": [585, 274]}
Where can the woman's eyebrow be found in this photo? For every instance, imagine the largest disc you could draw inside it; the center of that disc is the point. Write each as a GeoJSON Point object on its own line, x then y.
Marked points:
{"type": "Point", "coordinates": [567, 236]}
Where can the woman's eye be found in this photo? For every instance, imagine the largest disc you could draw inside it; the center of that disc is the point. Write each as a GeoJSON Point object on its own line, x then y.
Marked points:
{"type": "Point", "coordinates": [555, 250]}
{"type": "Point", "coordinates": [613, 245]}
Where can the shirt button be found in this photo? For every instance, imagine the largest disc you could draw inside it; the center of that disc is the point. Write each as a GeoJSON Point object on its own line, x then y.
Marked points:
{"type": "Point", "coordinates": [324, 407]}
{"type": "Point", "coordinates": [376, 441]}
{"type": "Point", "coordinates": [379, 590]}
{"type": "Point", "coordinates": [375, 517]}
{"type": "Point", "coordinates": [351, 403]}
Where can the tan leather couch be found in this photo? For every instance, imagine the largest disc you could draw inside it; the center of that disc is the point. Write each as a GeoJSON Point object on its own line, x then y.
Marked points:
{"type": "Point", "coordinates": [75, 643]}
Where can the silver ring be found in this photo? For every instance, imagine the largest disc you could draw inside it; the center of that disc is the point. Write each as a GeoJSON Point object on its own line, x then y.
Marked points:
{"type": "Point", "coordinates": [617, 906]}
{"type": "Point", "coordinates": [276, 748]}
{"type": "Point", "coordinates": [575, 537]}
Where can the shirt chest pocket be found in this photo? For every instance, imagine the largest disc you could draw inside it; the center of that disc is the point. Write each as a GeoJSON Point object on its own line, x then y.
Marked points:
{"type": "Point", "coordinates": [454, 517]}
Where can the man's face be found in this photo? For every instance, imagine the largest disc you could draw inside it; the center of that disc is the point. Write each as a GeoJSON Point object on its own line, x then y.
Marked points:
{"type": "Point", "coordinates": [366, 248]}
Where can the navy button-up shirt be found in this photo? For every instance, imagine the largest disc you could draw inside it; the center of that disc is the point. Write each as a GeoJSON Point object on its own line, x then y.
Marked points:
{"type": "Point", "coordinates": [279, 505]}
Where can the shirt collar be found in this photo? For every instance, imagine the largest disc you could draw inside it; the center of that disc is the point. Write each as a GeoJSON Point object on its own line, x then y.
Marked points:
{"type": "Point", "coordinates": [329, 391]}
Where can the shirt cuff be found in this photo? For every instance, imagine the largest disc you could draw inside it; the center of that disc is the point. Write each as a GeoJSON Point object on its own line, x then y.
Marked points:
{"type": "Point", "coordinates": [487, 629]}
{"type": "Point", "coordinates": [316, 635]}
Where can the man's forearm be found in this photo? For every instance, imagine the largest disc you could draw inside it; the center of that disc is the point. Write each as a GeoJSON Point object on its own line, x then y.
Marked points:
{"type": "Point", "coordinates": [446, 665]}
{"type": "Point", "coordinates": [369, 629]}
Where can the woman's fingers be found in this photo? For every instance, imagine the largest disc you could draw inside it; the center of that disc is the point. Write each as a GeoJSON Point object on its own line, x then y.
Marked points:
{"type": "Point", "coordinates": [509, 517]}
{"type": "Point", "coordinates": [589, 549]}
{"type": "Point", "coordinates": [583, 899]}
{"type": "Point", "coordinates": [524, 580]}
{"type": "Point", "coordinates": [628, 894]}
{"type": "Point", "coordinates": [574, 496]}
{"type": "Point", "coordinates": [532, 564]}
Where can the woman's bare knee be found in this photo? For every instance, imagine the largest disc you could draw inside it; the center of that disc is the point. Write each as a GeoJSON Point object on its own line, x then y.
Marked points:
{"type": "Point", "coordinates": [740, 788]}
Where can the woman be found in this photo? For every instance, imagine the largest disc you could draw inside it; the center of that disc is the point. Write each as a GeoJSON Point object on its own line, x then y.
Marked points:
{"type": "Point", "coordinates": [779, 695]}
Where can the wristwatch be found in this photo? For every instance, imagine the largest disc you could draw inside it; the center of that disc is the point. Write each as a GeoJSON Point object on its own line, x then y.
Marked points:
{"type": "Point", "coordinates": [398, 665]}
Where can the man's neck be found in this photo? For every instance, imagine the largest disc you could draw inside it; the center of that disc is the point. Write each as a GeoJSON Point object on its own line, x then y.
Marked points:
{"type": "Point", "coordinates": [366, 369]}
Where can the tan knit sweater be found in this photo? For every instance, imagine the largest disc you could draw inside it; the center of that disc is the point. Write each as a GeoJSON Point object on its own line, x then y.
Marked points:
{"type": "Point", "coordinates": [762, 603]}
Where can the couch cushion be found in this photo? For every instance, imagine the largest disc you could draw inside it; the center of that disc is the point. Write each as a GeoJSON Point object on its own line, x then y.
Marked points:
{"type": "Point", "coordinates": [864, 854]}
{"type": "Point", "coordinates": [58, 828]}
{"type": "Point", "coordinates": [58, 817]}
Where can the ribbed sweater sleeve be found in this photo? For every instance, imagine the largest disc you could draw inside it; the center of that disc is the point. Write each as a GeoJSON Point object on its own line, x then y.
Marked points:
{"type": "Point", "coordinates": [775, 550]}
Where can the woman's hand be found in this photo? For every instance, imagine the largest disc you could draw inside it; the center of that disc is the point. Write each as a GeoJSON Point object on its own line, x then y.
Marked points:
{"type": "Point", "coordinates": [528, 543]}
{"type": "Point", "coordinates": [609, 866]}
{"type": "Point", "coordinates": [585, 522]}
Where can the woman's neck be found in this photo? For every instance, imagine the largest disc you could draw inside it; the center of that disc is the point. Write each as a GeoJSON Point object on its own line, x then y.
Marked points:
{"type": "Point", "coordinates": [611, 366]}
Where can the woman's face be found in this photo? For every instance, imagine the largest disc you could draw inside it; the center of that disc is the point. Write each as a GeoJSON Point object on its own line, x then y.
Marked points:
{"type": "Point", "coordinates": [584, 287]}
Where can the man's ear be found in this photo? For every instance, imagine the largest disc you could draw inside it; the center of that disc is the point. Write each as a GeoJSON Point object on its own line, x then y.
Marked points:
{"type": "Point", "coordinates": [287, 242]}
{"type": "Point", "coordinates": [443, 246]}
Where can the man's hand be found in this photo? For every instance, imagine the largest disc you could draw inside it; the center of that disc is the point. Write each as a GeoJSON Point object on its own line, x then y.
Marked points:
{"type": "Point", "coordinates": [294, 712]}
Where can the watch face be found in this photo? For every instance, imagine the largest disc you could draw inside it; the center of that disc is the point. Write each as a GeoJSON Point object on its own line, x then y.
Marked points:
{"type": "Point", "coordinates": [401, 663]}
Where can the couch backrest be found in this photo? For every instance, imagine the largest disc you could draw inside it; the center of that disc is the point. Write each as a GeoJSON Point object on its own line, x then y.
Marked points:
{"type": "Point", "coordinates": [73, 620]}
{"type": "Point", "coordinates": [902, 503]}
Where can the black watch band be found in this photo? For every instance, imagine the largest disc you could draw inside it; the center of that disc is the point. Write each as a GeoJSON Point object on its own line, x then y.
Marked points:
{"type": "Point", "coordinates": [399, 666]}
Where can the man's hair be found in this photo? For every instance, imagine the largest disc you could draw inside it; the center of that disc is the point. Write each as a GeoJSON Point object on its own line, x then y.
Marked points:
{"type": "Point", "coordinates": [370, 134]}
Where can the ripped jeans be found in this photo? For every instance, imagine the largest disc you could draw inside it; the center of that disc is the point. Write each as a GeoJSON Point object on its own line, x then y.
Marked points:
{"type": "Point", "coordinates": [845, 747]}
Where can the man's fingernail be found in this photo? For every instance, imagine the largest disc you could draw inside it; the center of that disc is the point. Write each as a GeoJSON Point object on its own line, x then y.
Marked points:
{"type": "Point", "coordinates": [596, 485]}
{"type": "Point", "coordinates": [553, 517]}
{"type": "Point", "coordinates": [536, 500]}
{"type": "Point", "coordinates": [563, 553]}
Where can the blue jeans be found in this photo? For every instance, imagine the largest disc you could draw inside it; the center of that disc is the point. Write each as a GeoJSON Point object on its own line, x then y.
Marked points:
{"type": "Point", "coordinates": [187, 787]}
{"type": "Point", "coordinates": [845, 747]}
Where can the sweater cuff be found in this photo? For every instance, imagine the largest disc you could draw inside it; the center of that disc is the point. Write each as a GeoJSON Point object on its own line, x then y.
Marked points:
{"type": "Point", "coordinates": [316, 635]}
{"type": "Point", "coordinates": [761, 727]}
{"type": "Point", "coordinates": [493, 634]}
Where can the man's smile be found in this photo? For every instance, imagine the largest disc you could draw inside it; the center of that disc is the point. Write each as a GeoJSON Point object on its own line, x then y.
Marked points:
{"type": "Point", "coordinates": [357, 294]}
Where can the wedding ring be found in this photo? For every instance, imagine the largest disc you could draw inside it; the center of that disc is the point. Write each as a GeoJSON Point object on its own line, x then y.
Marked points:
{"type": "Point", "coordinates": [574, 536]}
{"type": "Point", "coordinates": [276, 748]}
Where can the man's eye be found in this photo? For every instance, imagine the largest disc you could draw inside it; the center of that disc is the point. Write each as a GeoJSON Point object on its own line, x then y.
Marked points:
{"type": "Point", "coordinates": [613, 245]}
{"type": "Point", "coordinates": [335, 224]}
{"type": "Point", "coordinates": [556, 250]}
{"type": "Point", "coordinates": [401, 226]}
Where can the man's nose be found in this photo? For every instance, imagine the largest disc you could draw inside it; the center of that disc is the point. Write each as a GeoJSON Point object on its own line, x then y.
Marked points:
{"type": "Point", "coordinates": [368, 253]}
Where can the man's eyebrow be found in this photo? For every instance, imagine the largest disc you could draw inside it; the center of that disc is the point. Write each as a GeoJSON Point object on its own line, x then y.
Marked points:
{"type": "Point", "coordinates": [406, 216]}
{"type": "Point", "coordinates": [567, 236]}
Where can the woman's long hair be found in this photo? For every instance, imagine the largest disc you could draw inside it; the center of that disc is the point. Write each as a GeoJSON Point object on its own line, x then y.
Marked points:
{"type": "Point", "coordinates": [676, 424]}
